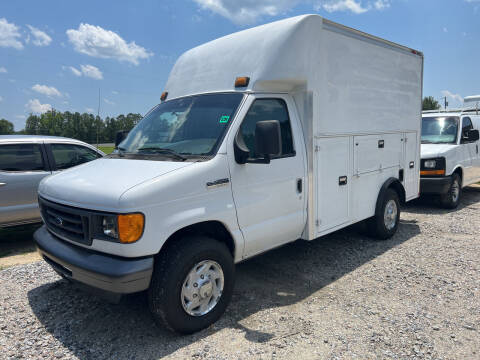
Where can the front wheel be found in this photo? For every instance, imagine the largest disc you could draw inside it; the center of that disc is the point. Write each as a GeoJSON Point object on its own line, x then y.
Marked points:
{"type": "Point", "coordinates": [451, 199]}
{"type": "Point", "coordinates": [385, 223]}
{"type": "Point", "coordinates": [192, 284]}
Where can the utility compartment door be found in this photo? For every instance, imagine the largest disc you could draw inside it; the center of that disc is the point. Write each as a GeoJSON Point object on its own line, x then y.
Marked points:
{"type": "Point", "coordinates": [377, 152]}
{"type": "Point", "coordinates": [333, 181]}
{"type": "Point", "coordinates": [412, 170]}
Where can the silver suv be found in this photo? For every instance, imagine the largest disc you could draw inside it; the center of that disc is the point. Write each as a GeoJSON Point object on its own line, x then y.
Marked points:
{"type": "Point", "coordinates": [27, 159]}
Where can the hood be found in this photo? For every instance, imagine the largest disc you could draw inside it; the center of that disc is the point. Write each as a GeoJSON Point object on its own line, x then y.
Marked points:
{"type": "Point", "coordinates": [435, 150]}
{"type": "Point", "coordinates": [99, 184]}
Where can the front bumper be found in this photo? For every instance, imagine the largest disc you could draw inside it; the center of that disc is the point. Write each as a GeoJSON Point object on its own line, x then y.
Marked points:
{"type": "Point", "coordinates": [106, 272]}
{"type": "Point", "coordinates": [433, 185]}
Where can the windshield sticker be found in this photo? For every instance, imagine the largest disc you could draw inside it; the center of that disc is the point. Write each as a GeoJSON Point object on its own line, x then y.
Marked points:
{"type": "Point", "coordinates": [224, 119]}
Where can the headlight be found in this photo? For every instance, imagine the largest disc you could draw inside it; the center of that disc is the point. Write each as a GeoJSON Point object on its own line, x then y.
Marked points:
{"type": "Point", "coordinates": [110, 228]}
{"type": "Point", "coordinates": [430, 164]}
{"type": "Point", "coordinates": [126, 228]}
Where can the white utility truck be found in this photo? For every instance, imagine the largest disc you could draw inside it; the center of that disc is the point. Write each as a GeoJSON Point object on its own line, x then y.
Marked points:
{"type": "Point", "coordinates": [286, 131]}
{"type": "Point", "coordinates": [449, 152]}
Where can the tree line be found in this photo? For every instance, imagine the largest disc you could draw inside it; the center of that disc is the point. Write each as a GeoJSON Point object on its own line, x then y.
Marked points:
{"type": "Point", "coordinates": [83, 127]}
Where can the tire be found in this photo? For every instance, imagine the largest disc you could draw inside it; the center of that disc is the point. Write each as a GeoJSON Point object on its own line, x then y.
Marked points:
{"type": "Point", "coordinates": [167, 300]}
{"type": "Point", "coordinates": [451, 199]}
{"type": "Point", "coordinates": [384, 224]}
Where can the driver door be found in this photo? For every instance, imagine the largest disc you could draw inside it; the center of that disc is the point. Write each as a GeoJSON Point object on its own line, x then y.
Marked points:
{"type": "Point", "coordinates": [269, 198]}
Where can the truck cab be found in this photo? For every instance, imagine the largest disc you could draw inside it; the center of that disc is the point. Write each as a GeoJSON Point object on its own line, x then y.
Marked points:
{"type": "Point", "coordinates": [449, 154]}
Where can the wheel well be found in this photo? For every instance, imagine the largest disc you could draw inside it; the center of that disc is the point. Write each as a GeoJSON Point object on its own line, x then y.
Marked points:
{"type": "Point", "coordinates": [213, 229]}
{"type": "Point", "coordinates": [459, 171]}
{"type": "Point", "coordinates": [399, 189]}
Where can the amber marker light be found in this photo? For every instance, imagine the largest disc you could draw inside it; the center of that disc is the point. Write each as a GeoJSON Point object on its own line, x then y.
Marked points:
{"type": "Point", "coordinates": [164, 96]}
{"type": "Point", "coordinates": [242, 81]}
{"type": "Point", "coordinates": [432, 172]}
{"type": "Point", "coordinates": [130, 227]}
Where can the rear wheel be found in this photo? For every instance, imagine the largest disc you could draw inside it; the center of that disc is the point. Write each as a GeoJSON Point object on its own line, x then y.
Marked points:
{"type": "Point", "coordinates": [192, 284]}
{"type": "Point", "coordinates": [451, 199]}
{"type": "Point", "coordinates": [385, 223]}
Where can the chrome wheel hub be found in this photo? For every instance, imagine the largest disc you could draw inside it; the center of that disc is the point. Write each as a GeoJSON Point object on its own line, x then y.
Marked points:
{"type": "Point", "coordinates": [202, 288]}
{"type": "Point", "coordinates": [390, 214]}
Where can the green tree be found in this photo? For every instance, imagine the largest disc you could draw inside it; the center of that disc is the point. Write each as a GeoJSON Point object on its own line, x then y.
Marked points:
{"type": "Point", "coordinates": [6, 127]}
{"type": "Point", "coordinates": [429, 103]}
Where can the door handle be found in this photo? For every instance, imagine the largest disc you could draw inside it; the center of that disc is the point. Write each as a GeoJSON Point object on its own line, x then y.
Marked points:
{"type": "Point", "coordinates": [477, 148]}
{"type": "Point", "coordinates": [299, 186]}
{"type": "Point", "coordinates": [3, 184]}
{"type": "Point", "coordinates": [342, 180]}
{"type": "Point", "coordinates": [411, 165]}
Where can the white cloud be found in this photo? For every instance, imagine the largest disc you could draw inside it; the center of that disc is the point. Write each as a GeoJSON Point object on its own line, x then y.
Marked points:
{"type": "Point", "coordinates": [36, 107]}
{"type": "Point", "coordinates": [98, 42]}
{"type": "Point", "coordinates": [344, 5]}
{"type": "Point", "coordinates": [91, 72]}
{"type": "Point", "coordinates": [89, 110]}
{"type": "Point", "coordinates": [3, 70]}
{"type": "Point", "coordinates": [109, 102]}
{"type": "Point", "coordinates": [114, 92]}
{"type": "Point", "coordinates": [1, 99]}
{"type": "Point", "coordinates": [46, 90]}
{"type": "Point", "coordinates": [74, 71]}
{"type": "Point", "coordinates": [40, 38]}
{"type": "Point", "coordinates": [85, 70]}
{"type": "Point", "coordinates": [9, 35]}
{"type": "Point", "coordinates": [381, 4]}
{"type": "Point", "coordinates": [247, 11]}
{"type": "Point", "coordinates": [455, 99]}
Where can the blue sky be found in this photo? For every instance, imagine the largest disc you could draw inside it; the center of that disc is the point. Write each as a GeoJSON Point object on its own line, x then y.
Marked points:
{"type": "Point", "coordinates": [59, 53]}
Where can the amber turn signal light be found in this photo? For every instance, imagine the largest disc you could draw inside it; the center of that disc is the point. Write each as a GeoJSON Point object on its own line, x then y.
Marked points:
{"type": "Point", "coordinates": [432, 172]}
{"type": "Point", "coordinates": [164, 96]}
{"type": "Point", "coordinates": [242, 81]}
{"type": "Point", "coordinates": [130, 227]}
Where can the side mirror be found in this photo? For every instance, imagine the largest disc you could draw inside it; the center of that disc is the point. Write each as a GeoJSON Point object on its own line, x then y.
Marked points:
{"type": "Point", "coordinates": [473, 135]}
{"type": "Point", "coordinates": [268, 139]}
{"type": "Point", "coordinates": [120, 136]}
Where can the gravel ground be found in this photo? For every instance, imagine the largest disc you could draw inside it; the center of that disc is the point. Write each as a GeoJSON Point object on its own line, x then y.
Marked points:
{"type": "Point", "coordinates": [341, 297]}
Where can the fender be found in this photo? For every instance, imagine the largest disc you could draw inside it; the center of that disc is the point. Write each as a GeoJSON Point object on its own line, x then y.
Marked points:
{"type": "Point", "coordinates": [389, 183]}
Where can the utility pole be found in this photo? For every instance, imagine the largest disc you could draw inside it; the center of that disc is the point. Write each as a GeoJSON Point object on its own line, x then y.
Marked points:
{"type": "Point", "coordinates": [98, 113]}
{"type": "Point", "coordinates": [445, 102]}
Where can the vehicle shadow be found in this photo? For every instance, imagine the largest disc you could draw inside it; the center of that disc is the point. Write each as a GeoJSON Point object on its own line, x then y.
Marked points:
{"type": "Point", "coordinates": [431, 204]}
{"type": "Point", "coordinates": [92, 328]}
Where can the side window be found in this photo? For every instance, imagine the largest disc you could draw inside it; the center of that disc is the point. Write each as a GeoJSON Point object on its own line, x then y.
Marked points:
{"type": "Point", "coordinates": [68, 155]}
{"type": "Point", "coordinates": [21, 157]}
{"type": "Point", "coordinates": [466, 125]}
{"type": "Point", "coordinates": [268, 109]}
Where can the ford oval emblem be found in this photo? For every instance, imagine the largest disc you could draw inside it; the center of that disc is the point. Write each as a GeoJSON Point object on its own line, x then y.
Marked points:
{"type": "Point", "coordinates": [58, 221]}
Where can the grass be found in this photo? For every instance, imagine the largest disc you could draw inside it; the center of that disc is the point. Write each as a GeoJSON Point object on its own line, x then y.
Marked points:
{"type": "Point", "coordinates": [107, 149]}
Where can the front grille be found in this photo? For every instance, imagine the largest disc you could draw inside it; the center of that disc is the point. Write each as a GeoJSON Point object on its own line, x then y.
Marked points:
{"type": "Point", "coordinates": [66, 222]}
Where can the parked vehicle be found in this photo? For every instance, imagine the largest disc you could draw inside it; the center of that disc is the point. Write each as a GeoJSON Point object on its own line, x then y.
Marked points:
{"type": "Point", "coordinates": [449, 151]}
{"type": "Point", "coordinates": [27, 159]}
{"type": "Point", "coordinates": [289, 130]}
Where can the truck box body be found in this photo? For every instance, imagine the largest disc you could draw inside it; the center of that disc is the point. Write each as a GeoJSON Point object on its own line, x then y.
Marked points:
{"type": "Point", "coordinates": [351, 91]}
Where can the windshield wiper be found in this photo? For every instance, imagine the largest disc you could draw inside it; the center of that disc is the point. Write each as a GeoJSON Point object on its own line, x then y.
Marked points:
{"type": "Point", "coordinates": [163, 151]}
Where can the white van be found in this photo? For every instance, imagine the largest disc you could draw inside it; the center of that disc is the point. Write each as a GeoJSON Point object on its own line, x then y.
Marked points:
{"type": "Point", "coordinates": [449, 151]}
{"type": "Point", "coordinates": [286, 131]}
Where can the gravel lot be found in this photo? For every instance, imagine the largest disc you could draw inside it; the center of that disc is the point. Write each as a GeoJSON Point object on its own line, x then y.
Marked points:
{"type": "Point", "coordinates": [341, 297]}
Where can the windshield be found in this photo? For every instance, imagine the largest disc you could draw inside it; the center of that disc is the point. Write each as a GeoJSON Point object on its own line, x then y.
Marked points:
{"type": "Point", "coordinates": [439, 130]}
{"type": "Point", "coordinates": [193, 125]}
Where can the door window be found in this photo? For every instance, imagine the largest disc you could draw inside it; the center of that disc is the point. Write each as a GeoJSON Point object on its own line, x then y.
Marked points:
{"type": "Point", "coordinates": [68, 155]}
{"type": "Point", "coordinates": [268, 109]}
{"type": "Point", "coordinates": [21, 157]}
{"type": "Point", "coordinates": [466, 126]}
